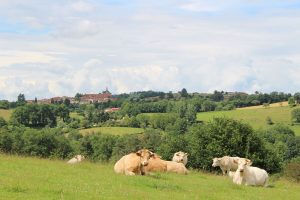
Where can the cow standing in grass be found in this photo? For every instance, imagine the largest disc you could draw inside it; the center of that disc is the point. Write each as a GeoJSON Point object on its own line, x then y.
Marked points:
{"type": "Point", "coordinates": [226, 163]}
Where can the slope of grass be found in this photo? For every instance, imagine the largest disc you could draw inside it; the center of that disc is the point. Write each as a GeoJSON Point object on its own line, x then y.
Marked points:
{"type": "Point", "coordinates": [31, 178]}
{"type": "Point", "coordinates": [112, 130]}
{"type": "Point", "coordinates": [5, 114]}
{"type": "Point", "coordinates": [255, 117]}
{"type": "Point", "coordinates": [279, 104]}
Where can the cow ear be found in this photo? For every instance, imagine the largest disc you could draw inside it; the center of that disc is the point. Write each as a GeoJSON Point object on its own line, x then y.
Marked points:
{"type": "Point", "coordinates": [186, 154]}
{"type": "Point", "coordinates": [138, 153]}
{"type": "Point", "coordinates": [249, 162]}
{"type": "Point", "coordinates": [219, 159]}
{"type": "Point", "coordinates": [152, 154]}
{"type": "Point", "coordinates": [235, 161]}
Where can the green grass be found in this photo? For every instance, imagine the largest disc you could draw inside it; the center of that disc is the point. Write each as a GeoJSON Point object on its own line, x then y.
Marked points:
{"type": "Point", "coordinates": [112, 130]}
{"type": "Point", "coordinates": [5, 114]}
{"type": "Point", "coordinates": [76, 115]}
{"type": "Point", "coordinates": [32, 178]}
{"type": "Point", "coordinates": [255, 117]}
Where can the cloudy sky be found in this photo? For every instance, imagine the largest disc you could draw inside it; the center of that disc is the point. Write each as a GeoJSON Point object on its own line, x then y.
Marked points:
{"type": "Point", "coordinates": [61, 47]}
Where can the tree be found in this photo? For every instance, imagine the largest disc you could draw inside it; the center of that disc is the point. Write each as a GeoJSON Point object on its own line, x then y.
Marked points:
{"type": "Point", "coordinates": [77, 97]}
{"type": "Point", "coordinates": [297, 97]}
{"type": "Point", "coordinates": [21, 99]}
{"type": "Point", "coordinates": [291, 102]}
{"type": "Point", "coordinates": [296, 115]}
{"type": "Point", "coordinates": [184, 93]}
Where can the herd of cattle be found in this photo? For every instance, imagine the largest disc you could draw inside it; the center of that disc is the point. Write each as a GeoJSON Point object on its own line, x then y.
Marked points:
{"type": "Point", "coordinates": [144, 162]}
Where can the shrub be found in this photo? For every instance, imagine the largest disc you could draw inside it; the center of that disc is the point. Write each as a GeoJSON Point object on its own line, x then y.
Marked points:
{"type": "Point", "coordinates": [269, 121]}
{"type": "Point", "coordinates": [292, 170]}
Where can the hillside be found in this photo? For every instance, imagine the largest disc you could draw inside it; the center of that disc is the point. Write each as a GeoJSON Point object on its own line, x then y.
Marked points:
{"type": "Point", "coordinates": [256, 116]}
{"type": "Point", "coordinates": [32, 178]}
{"type": "Point", "coordinates": [5, 114]}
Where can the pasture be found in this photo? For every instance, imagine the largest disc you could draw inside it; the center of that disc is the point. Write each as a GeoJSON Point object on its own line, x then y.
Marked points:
{"type": "Point", "coordinates": [32, 178]}
{"type": "Point", "coordinates": [112, 130]}
{"type": "Point", "coordinates": [5, 114]}
{"type": "Point", "coordinates": [256, 117]}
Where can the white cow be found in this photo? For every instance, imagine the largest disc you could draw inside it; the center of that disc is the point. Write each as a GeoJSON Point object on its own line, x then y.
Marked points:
{"type": "Point", "coordinates": [225, 163]}
{"type": "Point", "coordinates": [180, 157]}
{"type": "Point", "coordinates": [76, 159]}
{"type": "Point", "coordinates": [249, 175]}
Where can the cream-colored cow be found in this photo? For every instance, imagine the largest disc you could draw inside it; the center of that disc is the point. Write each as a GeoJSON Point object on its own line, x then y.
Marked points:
{"type": "Point", "coordinates": [225, 163]}
{"type": "Point", "coordinates": [176, 167]}
{"type": "Point", "coordinates": [180, 157]}
{"type": "Point", "coordinates": [76, 159]}
{"type": "Point", "coordinates": [133, 163]}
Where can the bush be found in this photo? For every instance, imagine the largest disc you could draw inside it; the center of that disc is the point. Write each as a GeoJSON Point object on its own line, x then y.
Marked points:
{"type": "Point", "coordinates": [2, 122]}
{"type": "Point", "coordinates": [269, 121]}
{"type": "Point", "coordinates": [292, 170]}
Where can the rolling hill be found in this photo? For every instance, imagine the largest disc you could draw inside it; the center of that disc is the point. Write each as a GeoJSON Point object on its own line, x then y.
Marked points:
{"type": "Point", "coordinates": [255, 116]}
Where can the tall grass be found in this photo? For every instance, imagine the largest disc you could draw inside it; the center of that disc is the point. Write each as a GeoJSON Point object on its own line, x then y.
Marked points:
{"type": "Point", "coordinates": [32, 178]}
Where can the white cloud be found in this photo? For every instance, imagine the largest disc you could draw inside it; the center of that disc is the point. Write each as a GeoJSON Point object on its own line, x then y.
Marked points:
{"type": "Point", "coordinates": [64, 47]}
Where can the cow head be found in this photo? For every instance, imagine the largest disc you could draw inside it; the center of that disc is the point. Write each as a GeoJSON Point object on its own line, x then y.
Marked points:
{"type": "Point", "coordinates": [79, 157]}
{"type": "Point", "coordinates": [216, 162]}
{"type": "Point", "coordinates": [180, 157]}
{"type": "Point", "coordinates": [242, 164]}
{"type": "Point", "coordinates": [145, 155]}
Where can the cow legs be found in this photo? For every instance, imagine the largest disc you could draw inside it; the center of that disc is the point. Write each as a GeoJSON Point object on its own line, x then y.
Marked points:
{"type": "Point", "coordinates": [129, 173]}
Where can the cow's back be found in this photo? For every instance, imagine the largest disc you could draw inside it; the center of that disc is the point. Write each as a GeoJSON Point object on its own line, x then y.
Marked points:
{"type": "Point", "coordinates": [176, 167]}
{"type": "Point", "coordinates": [257, 176]}
{"type": "Point", "coordinates": [155, 165]}
{"type": "Point", "coordinates": [119, 167]}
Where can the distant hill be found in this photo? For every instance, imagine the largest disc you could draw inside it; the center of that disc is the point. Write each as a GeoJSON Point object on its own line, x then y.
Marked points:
{"type": "Point", "coordinates": [256, 115]}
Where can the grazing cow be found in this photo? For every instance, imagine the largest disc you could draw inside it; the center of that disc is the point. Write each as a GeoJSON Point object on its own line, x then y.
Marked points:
{"type": "Point", "coordinates": [249, 175]}
{"type": "Point", "coordinates": [225, 163]}
{"type": "Point", "coordinates": [133, 163]}
{"type": "Point", "coordinates": [76, 159]}
{"type": "Point", "coordinates": [180, 157]}
{"type": "Point", "coordinates": [176, 167]}
{"type": "Point", "coordinates": [155, 164]}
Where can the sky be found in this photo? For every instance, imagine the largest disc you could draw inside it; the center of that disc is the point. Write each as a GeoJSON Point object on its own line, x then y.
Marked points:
{"type": "Point", "coordinates": [60, 47]}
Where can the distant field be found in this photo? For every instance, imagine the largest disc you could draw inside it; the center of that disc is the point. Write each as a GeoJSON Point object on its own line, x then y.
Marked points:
{"type": "Point", "coordinates": [32, 178]}
{"type": "Point", "coordinates": [5, 114]}
{"type": "Point", "coordinates": [255, 116]}
{"type": "Point", "coordinates": [112, 130]}
{"type": "Point", "coordinates": [280, 104]}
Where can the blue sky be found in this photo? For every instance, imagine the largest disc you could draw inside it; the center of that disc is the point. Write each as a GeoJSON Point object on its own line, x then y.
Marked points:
{"type": "Point", "coordinates": [61, 47]}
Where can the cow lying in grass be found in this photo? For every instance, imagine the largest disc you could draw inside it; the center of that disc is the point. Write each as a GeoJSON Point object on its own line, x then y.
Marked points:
{"type": "Point", "coordinates": [156, 164]}
{"type": "Point", "coordinates": [76, 159]}
{"type": "Point", "coordinates": [180, 157]}
{"type": "Point", "coordinates": [248, 175]}
{"type": "Point", "coordinates": [133, 163]}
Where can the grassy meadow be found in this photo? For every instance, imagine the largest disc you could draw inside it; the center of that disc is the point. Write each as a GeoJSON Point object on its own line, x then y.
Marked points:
{"type": "Point", "coordinates": [5, 114]}
{"type": "Point", "coordinates": [112, 130]}
{"type": "Point", "coordinates": [255, 116]}
{"type": "Point", "coordinates": [32, 178]}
